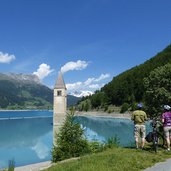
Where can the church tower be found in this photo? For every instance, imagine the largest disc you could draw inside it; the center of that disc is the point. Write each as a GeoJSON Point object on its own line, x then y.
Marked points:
{"type": "Point", "coordinates": [59, 103]}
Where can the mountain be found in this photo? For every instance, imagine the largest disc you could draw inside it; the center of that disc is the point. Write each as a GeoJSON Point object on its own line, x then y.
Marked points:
{"type": "Point", "coordinates": [25, 91]}
{"type": "Point", "coordinates": [72, 100]}
{"type": "Point", "coordinates": [128, 86]}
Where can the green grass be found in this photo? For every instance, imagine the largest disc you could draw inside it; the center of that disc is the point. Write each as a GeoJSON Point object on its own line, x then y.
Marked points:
{"type": "Point", "coordinates": [115, 159]}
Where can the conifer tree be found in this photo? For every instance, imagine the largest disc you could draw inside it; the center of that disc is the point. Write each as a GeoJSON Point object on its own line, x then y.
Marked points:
{"type": "Point", "coordinates": [70, 142]}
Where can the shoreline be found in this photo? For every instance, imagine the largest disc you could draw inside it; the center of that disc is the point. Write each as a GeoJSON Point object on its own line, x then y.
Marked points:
{"type": "Point", "coordinates": [78, 113]}
{"type": "Point", "coordinates": [104, 114]}
{"type": "Point", "coordinates": [82, 113]}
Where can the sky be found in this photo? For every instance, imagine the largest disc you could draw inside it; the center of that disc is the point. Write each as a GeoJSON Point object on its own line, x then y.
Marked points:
{"type": "Point", "coordinates": [90, 41]}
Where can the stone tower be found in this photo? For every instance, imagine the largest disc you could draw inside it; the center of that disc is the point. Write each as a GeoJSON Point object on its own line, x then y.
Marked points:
{"type": "Point", "coordinates": [59, 104]}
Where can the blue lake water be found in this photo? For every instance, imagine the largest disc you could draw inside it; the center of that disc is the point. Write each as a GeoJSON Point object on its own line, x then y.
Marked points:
{"type": "Point", "coordinates": [26, 136]}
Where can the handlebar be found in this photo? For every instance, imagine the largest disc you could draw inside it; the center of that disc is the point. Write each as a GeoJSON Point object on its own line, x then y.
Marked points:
{"type": "Point", "coordinates": [155, 122]}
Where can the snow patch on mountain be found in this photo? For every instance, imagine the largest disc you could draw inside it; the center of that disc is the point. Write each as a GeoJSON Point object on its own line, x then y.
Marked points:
{"type": "Point", "coordinates": [24, 77]}
{"type": "Point", "coordinates": [81, 93]}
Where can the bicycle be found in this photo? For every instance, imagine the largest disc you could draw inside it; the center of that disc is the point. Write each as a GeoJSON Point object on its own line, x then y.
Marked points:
{"type": "Point", "coordinates": [155, 137]}
{"type": "Point", "coordinates": [156, 134]}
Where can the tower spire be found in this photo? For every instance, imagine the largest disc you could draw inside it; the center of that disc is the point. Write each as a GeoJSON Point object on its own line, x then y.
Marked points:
{"type": "Point", "coordinates": [60, 84]}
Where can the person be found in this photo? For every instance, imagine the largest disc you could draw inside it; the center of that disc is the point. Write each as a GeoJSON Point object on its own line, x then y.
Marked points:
{"type": "Point", "coordinates": [166, 120]}
{"type": "Point", "coordinates": [139, 117]}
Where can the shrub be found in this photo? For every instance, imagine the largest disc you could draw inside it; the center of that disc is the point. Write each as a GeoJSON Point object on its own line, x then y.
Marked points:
{"type": "Point", "coordinates": [105, 108]}
{"type": "Point", "coordinates": [96, 146]}
{"type": "Point", "coordinates": [109, 111]}
{"type": "Point", "coordinates": [11, 165]}
{"type": "Point", "coordinates": [112, 142]}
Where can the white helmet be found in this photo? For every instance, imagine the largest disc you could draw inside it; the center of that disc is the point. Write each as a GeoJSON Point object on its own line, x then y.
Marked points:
{"type": "Point", "coordinates": [167, 107]}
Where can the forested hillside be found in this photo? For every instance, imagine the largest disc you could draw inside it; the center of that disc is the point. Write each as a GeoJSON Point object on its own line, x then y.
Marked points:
{"type": "Point", "coordinates": [128, 87]}
{"type": "Point", "coordinates": [20, 91]}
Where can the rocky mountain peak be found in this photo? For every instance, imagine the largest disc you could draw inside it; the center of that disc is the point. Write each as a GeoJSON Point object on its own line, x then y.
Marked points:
{"type": "Point", "coordinates": [24, 77]}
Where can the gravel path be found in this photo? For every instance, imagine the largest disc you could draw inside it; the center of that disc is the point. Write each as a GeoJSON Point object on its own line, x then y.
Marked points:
{"type": "Point", "coordinates": [103, 114]}
{"type": "Point", "coordinates": [34, 167]}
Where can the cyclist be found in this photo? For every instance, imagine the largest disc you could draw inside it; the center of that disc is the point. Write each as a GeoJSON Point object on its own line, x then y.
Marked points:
{"type": "Point", "coordinates": [166, 120]}
{"type": "Point", "coordinates": [139, 117]}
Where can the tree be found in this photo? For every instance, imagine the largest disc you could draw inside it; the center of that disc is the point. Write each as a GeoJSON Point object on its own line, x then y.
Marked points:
{"type": "Point", "coordinates": [158, 89]}
{"type": "Point", "coordinates": [98, 99]}
{"type": "Point", "coordinates": [70, 142]}
{"type": "Point", "coordinates": [86, 106]}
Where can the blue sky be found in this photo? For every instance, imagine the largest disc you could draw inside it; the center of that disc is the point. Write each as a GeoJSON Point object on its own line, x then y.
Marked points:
{"type": "Point", "coordinates": [91, 40]}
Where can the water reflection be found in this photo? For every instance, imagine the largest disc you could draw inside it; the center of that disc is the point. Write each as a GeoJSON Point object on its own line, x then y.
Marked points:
{"type": "Point", "coordinates": [41, 149]}
{"type": "Point", "coordinates": [31, 138]}
{"type": "Point", "coordinates": [102, 129]}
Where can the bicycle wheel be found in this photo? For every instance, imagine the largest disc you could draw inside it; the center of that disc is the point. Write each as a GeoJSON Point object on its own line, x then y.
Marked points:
{"type": "Point", "coordinates": [161, 141]}
{"type": "Point", "coordinates": [155, 145]}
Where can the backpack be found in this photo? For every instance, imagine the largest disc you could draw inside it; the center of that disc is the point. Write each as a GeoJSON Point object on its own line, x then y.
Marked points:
{"type": "Point", "coordinates": [149, 137]}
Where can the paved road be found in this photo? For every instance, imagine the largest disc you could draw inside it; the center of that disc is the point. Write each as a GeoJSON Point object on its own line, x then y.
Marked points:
{"type": "Point", "coordinates": [162, 166]}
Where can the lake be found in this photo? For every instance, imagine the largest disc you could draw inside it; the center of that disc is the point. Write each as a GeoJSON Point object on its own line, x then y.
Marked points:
{"type": "Point", "coordinates": [26, 136]}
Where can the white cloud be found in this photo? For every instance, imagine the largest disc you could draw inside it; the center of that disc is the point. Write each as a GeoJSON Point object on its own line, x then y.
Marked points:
{"type": "Point", "coordinates": [74, 86]}
{"type": "Point", "coordinates": [95, 86]}
{"type": "Point", "coordinates": [43, 71]}
{"type": "Point", "coordinates": [92, 80]}
{"type": "Point", "coordinates": [102, 77]}
{"type": "Point", "coordinates": [6, 58]}
{"type": "Point", "coordinates": [89, 85]}
{"type": "Point", "coordinates": [89, 81]}
{"type": "Point", "coordinates": [79, 65]}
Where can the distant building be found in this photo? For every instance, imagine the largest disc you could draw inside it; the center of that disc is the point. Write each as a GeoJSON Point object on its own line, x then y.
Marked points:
{"type": "Point", "coordinates": [59, 104]}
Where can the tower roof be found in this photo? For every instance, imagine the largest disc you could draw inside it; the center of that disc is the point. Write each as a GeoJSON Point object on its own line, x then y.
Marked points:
{"type": "Point", "coordinates": [60, 84]}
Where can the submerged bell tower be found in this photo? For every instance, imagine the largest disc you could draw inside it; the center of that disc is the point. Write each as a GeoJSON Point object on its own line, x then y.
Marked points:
{"type": "Point", "coordinates": [59, 104]}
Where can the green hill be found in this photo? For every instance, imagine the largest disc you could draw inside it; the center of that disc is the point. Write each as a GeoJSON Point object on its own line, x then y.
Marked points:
{"type": "Point", "coordinates": [21, 91]}
{"type": "Point", "coordinates": [128, 86]}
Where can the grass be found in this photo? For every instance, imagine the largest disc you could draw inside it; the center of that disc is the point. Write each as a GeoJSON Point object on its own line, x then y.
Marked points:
{"type": "Point", "coordinates": [115, 159]}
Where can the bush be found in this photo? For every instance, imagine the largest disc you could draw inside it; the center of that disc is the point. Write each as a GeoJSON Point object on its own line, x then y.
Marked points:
{"type": "Point", "coordinates": [105, 108]}
{"type": "Point", "coordinates": [112, 142]}
{"type": "Point", "coordinates": [96, 146]}
{"type": "Point", "coordinates": [70, 142]}
{"type": "Point", "coordinates": [109, 111]}
{"type": "Point", "coordinates": [124, 108]}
